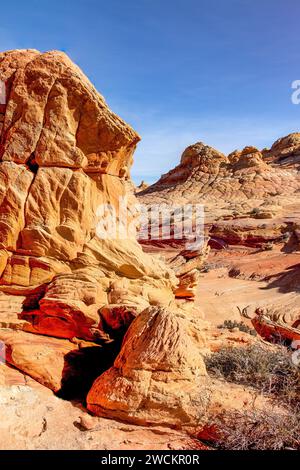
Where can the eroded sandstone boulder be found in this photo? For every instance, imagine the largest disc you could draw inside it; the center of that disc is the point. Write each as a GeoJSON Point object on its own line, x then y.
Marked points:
{"type": "Point", "coordinates": [158, 376]}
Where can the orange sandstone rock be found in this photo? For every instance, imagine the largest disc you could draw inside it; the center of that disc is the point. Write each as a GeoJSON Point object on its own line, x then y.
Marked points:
{"type": "Point", "coordinates": [64, 154]}
{"type": "Point", "coordinates": [157, 376]}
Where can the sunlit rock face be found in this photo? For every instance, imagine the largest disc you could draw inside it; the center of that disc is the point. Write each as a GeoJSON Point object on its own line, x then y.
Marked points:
{"type": "Point", "coordinates": [251, 205]}
{"type": "Point", "coordinates": [249, 196]}
{"type": "Point", "coordinates": [205, 174]}
{"type": "Point", "coordinates": [64, 154]}
{"type": "Point", "coordinates": [158, 376]}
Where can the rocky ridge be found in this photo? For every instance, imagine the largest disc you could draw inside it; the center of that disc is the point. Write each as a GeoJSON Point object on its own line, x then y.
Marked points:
{"type": "Point", "coordinates": [252, 219]}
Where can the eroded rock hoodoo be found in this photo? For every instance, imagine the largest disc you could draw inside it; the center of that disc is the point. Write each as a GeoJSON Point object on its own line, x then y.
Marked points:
{"type": "Point", "coordinates": [64, 154]}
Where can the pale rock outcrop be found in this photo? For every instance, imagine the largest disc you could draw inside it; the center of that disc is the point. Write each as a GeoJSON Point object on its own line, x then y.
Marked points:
{"type": "Point", "coordinates": [41, 358]}
{"type": "Point", "coordinates": [32, 418]}
{"type": "Point", "coordinates": [15, 181]}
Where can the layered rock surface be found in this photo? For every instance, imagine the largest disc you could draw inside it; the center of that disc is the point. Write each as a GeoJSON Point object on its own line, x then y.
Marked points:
{"type": "Point", "coordinates": [158, 375]}
{"type": "Point", "coordinates": [67, 293]}
{"type": "Point", "coordinates": [33, 418]}
{"type": "Point", "coordinates": [64, 155]}
{"type": "Point", "coordinates": [284, 152]}
{"type": "Point", "coordinates": [205, 174]}
{"type": "Point", "coordinates": [251, 203]}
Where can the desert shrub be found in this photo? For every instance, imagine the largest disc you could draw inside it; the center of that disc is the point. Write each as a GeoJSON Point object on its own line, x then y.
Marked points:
{"type": "Point", "coordinates": [268, 247]}
{"type": "Point", "coordinates": [230, 324]}
{"type": "Point", "coordinates": [205, 268]}
{"type": "Point", "coordinates": [286, 236]}
{"type": "Point", "coordinates": [270, 371]}
{"type": "Point", "coordinates": [255, 211]}
{"type": "Point", "coordinates": [257, 430]}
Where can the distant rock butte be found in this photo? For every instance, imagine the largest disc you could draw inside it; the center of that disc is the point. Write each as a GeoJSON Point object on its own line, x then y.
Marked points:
{"type": "Point", "coordinates": [158, 374]}
{"type": "Point", "coordinates": [250, 199]}
{"type": "Point", "coordinates": [285, 151]}
{"type": "Point", "coordinates": [205, 174]}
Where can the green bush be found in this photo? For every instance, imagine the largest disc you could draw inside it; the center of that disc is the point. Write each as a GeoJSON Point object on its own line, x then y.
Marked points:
{"type": "Point", "coordinates": [255, 211]}
{"type": "Point", "coordinates": [230, 324]}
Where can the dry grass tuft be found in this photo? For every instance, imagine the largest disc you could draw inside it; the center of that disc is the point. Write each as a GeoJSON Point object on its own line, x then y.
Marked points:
{"type": "Point", "coordinates": [258, 430]}
{"type": "Point", "coordinates": [272, 373]}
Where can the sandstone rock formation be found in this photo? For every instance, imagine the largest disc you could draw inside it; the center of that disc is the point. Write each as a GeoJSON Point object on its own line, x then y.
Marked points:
{"type": "Point", "coordinates": [158, 375]}
{"type": "Point", "coordinates": [251, 200]}
{"type": "Point", "coordinates": [63, 155]}
{"type": "Point", "coordinates": [285, 151]}
{"type": "Point", "coordinates": [249, 196]}
{"type": "Point", "coordinates": [206, 175]}
{"type": "Point", "coordinates": [39, 357]}
{"type": "Point", "coordinates": [67, 293]}
{"type": "Point", "coordinates": [101, 319]}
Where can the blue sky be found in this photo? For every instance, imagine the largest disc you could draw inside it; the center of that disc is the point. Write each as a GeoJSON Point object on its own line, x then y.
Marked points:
{"type": "Point", "coordinates": [178, 71]}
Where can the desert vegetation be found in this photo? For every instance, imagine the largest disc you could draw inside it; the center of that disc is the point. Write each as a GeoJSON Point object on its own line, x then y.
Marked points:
{"type": "Point", "coordinates": [258, 430]}
{"type": "Point", "coordinates": [272, 373]}
{"type": "Point", "coordinates": [241, 326]}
